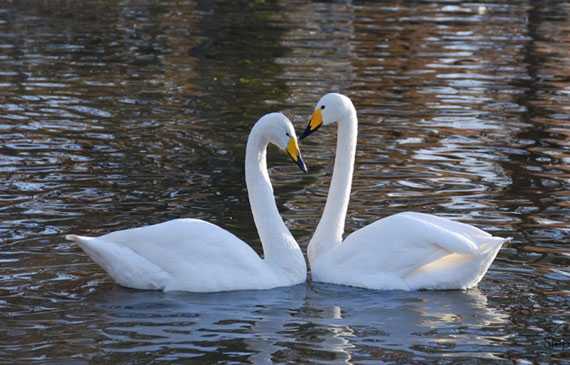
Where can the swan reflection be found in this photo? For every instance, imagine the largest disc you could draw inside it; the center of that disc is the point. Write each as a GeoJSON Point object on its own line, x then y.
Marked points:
{"type": "Point", "coordinates": [335, 322]}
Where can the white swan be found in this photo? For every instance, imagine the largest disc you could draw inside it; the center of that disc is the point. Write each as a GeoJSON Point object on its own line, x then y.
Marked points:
{"type": "Point", "coordinates": [406, 251]}
{"type": "Point", "coordinates": [194, 255]}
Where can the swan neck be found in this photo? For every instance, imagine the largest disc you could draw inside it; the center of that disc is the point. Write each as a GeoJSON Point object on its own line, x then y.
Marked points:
{"type": "Point", "coordinates": [330, 229]}
{"type": "Point", "coordinates": [279, 246]}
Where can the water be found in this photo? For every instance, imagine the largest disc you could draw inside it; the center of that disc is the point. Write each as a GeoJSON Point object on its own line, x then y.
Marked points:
{"type": "Point", "coordinates": [121, 114]}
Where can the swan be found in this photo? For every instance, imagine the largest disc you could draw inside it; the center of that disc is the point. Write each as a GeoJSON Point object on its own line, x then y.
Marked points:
{"type": "Point", "coordinates": [407, 251]}
{"type": "Point", "coordinates": [194, 255]}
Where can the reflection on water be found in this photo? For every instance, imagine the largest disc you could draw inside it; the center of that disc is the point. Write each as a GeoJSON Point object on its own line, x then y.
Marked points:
{"type": "Point", "coordinates": [302, 323]}
{"type": "Point", "coordinates": [115, 115]}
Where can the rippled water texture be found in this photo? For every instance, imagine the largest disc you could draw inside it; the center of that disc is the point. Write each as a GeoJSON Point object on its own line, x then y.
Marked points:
{"type": "Point", "coordinates": [120, 114]}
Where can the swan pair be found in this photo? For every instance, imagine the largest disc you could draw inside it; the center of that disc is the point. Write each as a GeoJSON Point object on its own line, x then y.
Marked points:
{"type": "Point", "coordinates": [405, 251]}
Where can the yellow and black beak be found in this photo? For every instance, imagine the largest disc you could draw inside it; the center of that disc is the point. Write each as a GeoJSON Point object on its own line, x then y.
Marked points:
{"type": "Point", "coordinates": [295, 154]}
{"type": "Point", "coordinates": [315, 123]}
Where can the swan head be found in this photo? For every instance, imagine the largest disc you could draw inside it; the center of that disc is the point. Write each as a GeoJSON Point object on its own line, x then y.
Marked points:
{"type": "Point", "coordinates": [332, 108]}
{"type": "Point", "coordinates": [280, 131]}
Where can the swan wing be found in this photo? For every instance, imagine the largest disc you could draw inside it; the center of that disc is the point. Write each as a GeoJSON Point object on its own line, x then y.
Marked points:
{"type": "Point", "coordinates": [182, 254]}
{"type": "Point", "coordinates": [452, 236]}
{"type": "Point", "coordinates": [403, 242]}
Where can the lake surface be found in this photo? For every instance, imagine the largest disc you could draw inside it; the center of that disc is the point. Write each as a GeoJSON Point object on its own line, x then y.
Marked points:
{"type": "Point", "coordinates": [116, 114]}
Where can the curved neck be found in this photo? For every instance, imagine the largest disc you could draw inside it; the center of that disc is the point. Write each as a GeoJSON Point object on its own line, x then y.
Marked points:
{"type": "Point", "coordinates": [279, 246]}
{"type": "Point", "coordinates": [331, 226]}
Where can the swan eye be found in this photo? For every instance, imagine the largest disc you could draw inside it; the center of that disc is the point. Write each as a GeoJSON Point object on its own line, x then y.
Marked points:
{"type": "Point", "coordinates": [322, 107]}
{"type": "Point", "coordinates": [287, 134]}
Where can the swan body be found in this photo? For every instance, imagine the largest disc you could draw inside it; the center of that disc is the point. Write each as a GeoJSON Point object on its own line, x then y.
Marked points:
{"type": "Point", "coordinates": [409, 251]}
{"type": "Point", "coordinates": [406, 251]}
{"type": "Point", "coordinates": [174, 254]}
{"type": "Point", "coordinates": [194, 255]}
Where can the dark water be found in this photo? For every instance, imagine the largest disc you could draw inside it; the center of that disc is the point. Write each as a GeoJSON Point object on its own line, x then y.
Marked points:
{"type": "Point", "coordinates": [120, 114]}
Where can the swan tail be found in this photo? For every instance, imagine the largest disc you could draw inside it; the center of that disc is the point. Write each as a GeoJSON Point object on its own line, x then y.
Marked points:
{"type": "Point", "coordinates": [490, 244]}
{"type": "Point", "coordinates": [125, 266]}
{"type": "Point", "coordinates": [77, 239]}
